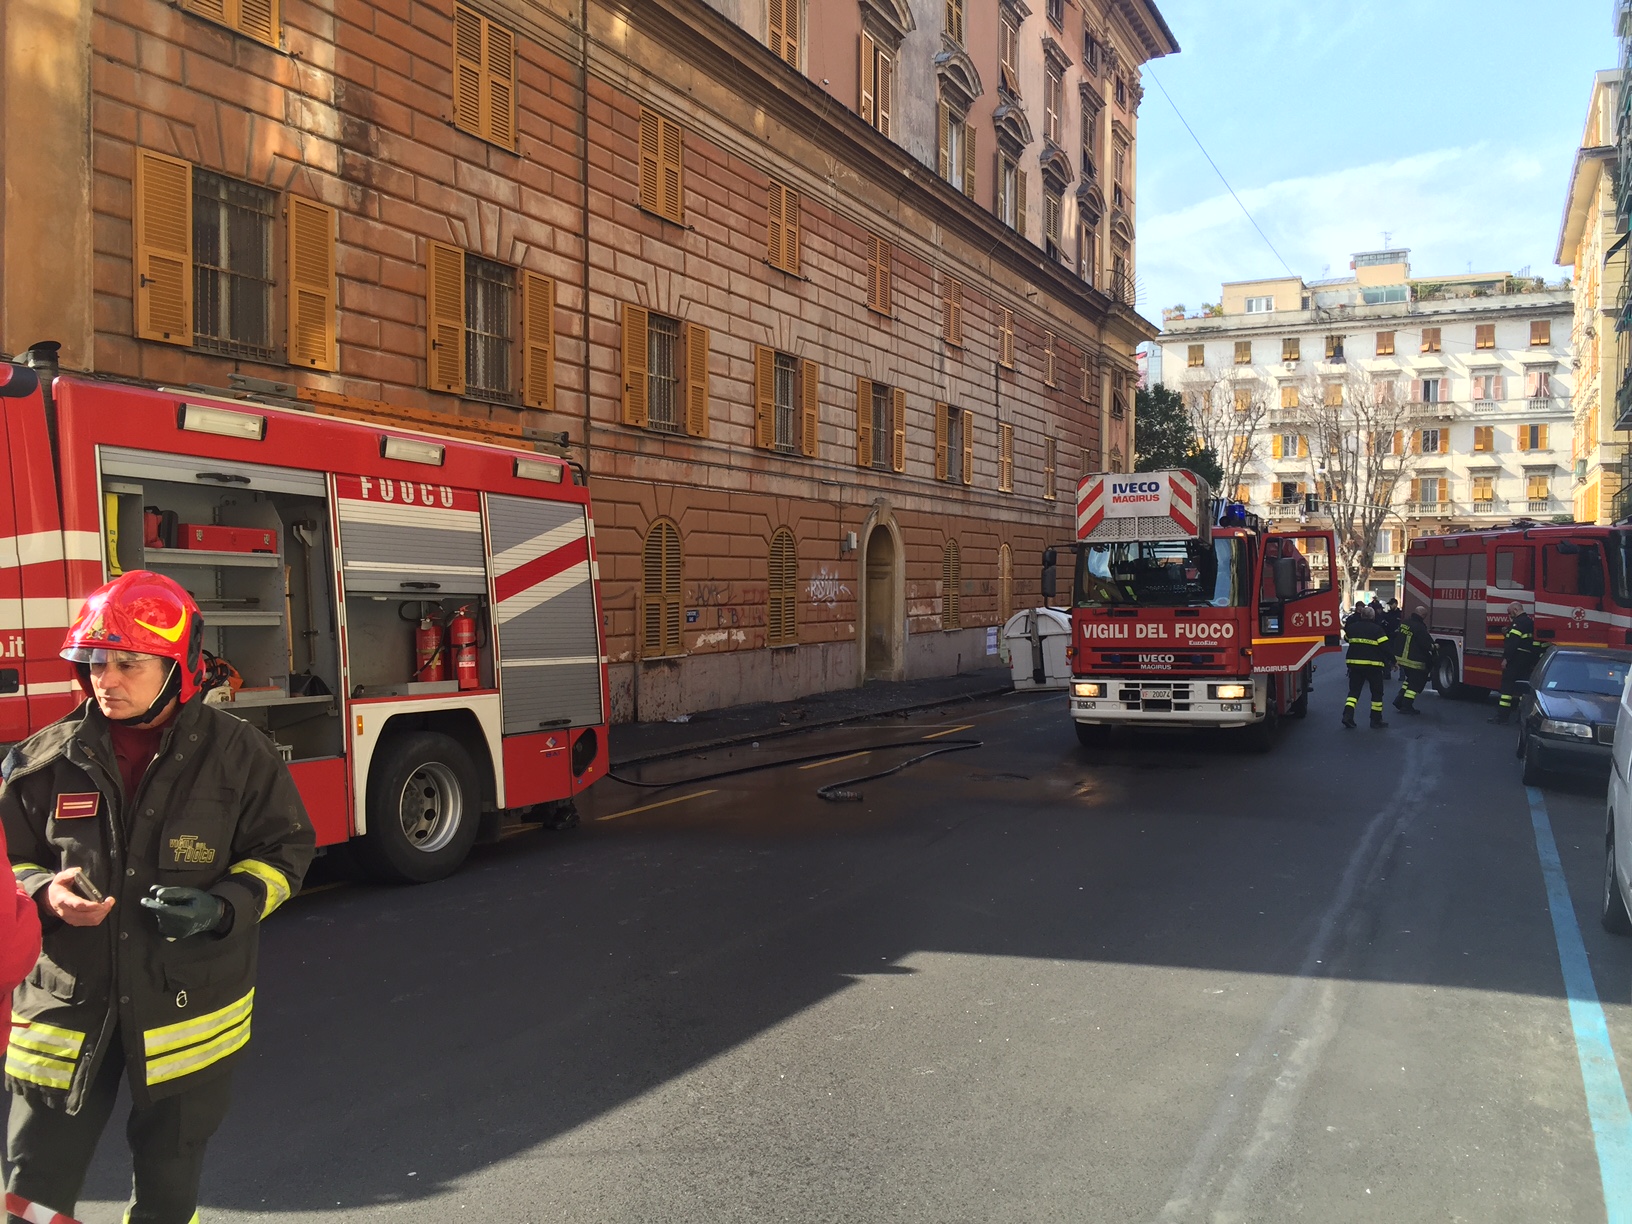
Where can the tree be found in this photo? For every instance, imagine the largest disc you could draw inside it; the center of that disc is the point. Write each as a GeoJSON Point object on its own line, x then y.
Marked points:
{"type": "Point", "coordinates": [1228, 410]}
{"type": "Point", "coordinates": [1362, 446]}
{"type": "Point", "coordinates": [1166, 436]}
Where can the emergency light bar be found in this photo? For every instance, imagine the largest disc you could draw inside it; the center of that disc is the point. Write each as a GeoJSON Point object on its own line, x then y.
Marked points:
{"type": "Point", "coordinates": [539, 469]}
{"type": "Point", "coordinates": [409, 450]}
{"type": "Point", "coordinates": [222, 421]}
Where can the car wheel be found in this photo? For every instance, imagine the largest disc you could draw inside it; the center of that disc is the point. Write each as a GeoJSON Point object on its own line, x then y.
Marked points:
{"type": "Point", "coordinates": [1613, 916]}
{"type": "Point", "coordinates": [1534, 774]}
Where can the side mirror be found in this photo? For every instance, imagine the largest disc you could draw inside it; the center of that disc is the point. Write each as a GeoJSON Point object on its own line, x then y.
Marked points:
{"type": "Point", "coordinates": [1286, 578]}
{"type": "Point", "coordinates": [17, 382]}
{"type": "Point", "coordinates": [1051, 579]}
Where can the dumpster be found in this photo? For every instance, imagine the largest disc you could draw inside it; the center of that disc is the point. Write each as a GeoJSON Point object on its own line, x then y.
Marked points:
{"type": "Point", "coordinates": [1034, 643]}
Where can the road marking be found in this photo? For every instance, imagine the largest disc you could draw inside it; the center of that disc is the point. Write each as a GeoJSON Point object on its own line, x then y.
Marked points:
{"type": "Point", "coordinates": [1600, 1075]}
{"type": "Point", "coordinates": [836, 760]}
{"type": "Point", "coordinates": [308, 890]}
{"type": "Point", "coordinates": [524, 827]}
{"type": "Point", "coordinates": [646, 807]}
{"type": "Point", "coordinates": [949, 731]}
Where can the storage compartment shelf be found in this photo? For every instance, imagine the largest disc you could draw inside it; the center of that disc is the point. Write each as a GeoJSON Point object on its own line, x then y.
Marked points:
{"type": "Point", "coordinates": [224, 619]}
{"type": "Point", "coordinates": [243, 700]}
{"type": "Point", "coordinates": [201, 556]}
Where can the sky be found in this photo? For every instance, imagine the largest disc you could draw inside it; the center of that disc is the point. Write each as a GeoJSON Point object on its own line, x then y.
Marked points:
{"type": "Point", "coordinates": [1450, 124]}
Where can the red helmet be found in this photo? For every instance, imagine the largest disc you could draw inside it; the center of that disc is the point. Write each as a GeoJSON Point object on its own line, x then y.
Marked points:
{"type": "Point", "coordinates": [145, 613]}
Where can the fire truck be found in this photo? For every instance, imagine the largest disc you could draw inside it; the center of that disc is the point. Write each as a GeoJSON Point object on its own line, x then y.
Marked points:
{"type": "Point", "coordinates": [1575, 580]}
{"type": "Point", "coordinates": [1188, 612]}
{"type": "Point", "coordinates": [411, 617]}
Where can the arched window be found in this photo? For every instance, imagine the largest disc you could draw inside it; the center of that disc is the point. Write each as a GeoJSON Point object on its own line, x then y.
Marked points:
{"type": "Point", "coordinates": [782, 619]}
{"type": "Point", "coordinates": [951, 580]}
{"type": "Point", "coordinates": [1005, 583]}
{"type": "Point", "coordinates": [660, 591]}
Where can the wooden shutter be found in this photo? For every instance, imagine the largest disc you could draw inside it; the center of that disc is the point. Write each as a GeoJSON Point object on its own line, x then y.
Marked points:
{"type": "Point", "coordinates": [1416, 490]}
{"type": "Point", "coordinates": [878, 274]}
{"type": "Point", "coordinates": [943, 130]}
{"type": "Point", "coordinates": [954, 20]}
{"type": "Point", "coordinates": [969, 159]}
{"type": "Point", "coordinates": [764, 396]}
{"type": "Point", "coordinates": [1541, 432]}
{"type": "Point", "coordinates": [467, 70]}
{"type": "Point", "coordinates": [1498, 387]}
{"type": "Point", "coordinates": [651, 166]}
{"type": "Point", "coordinates": [951, 580]}
{"type": "Point", "coordinates": [499, 85]}
{"type": "Point", "coordinates": [773, 222]}
{"type": "Point", "coordinates": [660, 590]}
{"type": "Point", "coordinates": [164, 248]}
{"type": "Point", "coordinates": [537, 340]}
{"type": "Point", "coordinates": [942, 412]}
{"type": "Point", "coordinates": [1005, 457]}
{"type": "Point", "coordinates": [1541, 331]}
{"type": "Point", "coordinates": [968, 447]}
{"type": "Point", "coordinates": [311, 285]}
{"type": "Point", "coordinates": [782, 625]}
{"type": "Point", "coordinates": [864, 421]}
{"type": "Point", "coordinates": [1275, 447]}
{"type": "Point", "coordinates": [883, 90]}
{"type": "Point", "coordinates": [671, 146]}
{"type": "Point", "coordinates": [791, 255]}
{"type": "Point", "coordinates": [869, 66]}
{"type": "Point", "coordinates": [1445, 441]}
{"type": "Point", "coordinates": [1005, 337]}
{"type": "Point", "coordinates": [445, 318]}
{"type": "Point", "coordinates": [697, 344]}
{"type": "Point", "coordinates": [1303, 447]}
{"type": "Point", "coordinates": [898, 429]}
{"type": "Point", "coordinates": [1399, 442]}
{"type": "Point", "coordinates": [1020, 202]}
{"type": "Point", "coordinates": [259, 20]}
{"type": "Point", "coordinates": [809, 408]}
{"type": "Point", "coordinates": [952, 314]}
{"type": "Point", "coordinates": [783, 22]}
{"type": "Point", "coordinates": [1050, 468]}
{"type": "Point", "coordinates": [1048, 359]}
{"type": "Point", "coordinates": [636, 345]}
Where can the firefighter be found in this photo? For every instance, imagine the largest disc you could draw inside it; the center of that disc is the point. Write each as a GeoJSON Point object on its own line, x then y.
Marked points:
{"type": "Point", "coordinates": [188, 832]}
{"type": "Point", "coordinates": [1367, 657]}
{"type": "Point", "coordinates": [1388, 617]}
{"type": "Point", "coordinates": [1519, 655]}
{"type": "Point", "coordinates": [1415, 657]}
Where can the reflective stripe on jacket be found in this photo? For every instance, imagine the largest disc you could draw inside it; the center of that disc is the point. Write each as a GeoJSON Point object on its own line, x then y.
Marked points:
{"type": "Point", "coordinates": [1519, 646]}
{"type": "Point", "coordinates": [216, 810]}
{"type": "Point", "coordinates": [1417, 646]}
{"type": "Point", "coordinates": [1368, 642]}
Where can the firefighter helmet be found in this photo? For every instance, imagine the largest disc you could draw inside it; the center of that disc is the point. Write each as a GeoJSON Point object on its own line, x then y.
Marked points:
{"type": "Point", "coordinates": [144, 613]}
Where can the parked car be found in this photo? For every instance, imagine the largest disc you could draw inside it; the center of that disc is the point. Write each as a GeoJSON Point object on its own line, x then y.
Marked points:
{"type": "Point", "coordinates": [1567, 716]}
{"type": "Point", "coordinates": [1616, 910]}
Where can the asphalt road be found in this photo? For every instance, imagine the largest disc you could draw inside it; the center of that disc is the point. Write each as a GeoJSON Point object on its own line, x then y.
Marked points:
{"type": "Point", "coordinates": [1166, 982]}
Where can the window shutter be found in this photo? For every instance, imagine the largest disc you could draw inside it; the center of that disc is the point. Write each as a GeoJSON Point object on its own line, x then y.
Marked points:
{"type": "Point", "coordinates": [952, 314]}
{"type": "Point", "coordinates": [467, 70]}
{"type": "Point", "coordinates": [1275, 447]}
{"type": "Point", "coordinates": [445, 318]}
{"type": "Point", "coordinates": [773, 224]}
{"type": "Point", "coordinates": [898, 429]}
{"type": "Point", "coordinates": [499, 85]}
{"type": "Point", "coordinates": [809, 407]}
{"type": "Point", "coordinates": [311, 285]}
{"type": "Point", "coordinates": [1005, 337]}
{"type": "Point", "coordinates": [651, 167]}
{"type": "Point", "coordinates": [1399, 442]}
{"type": "Point", "coordinates": [883, 90]}
{"type": "Point", "coordinates": [878, 275]}
{"type": "Point", "coordinates": [864, 421]}
{"type": "Point", "coordinates": [1020, 203]}
{"type": "Point", "coordinates": [968, 448]}
{"type": "Point", "coordinates": [215, 10]}
{"type": "Point", "coordinates": [1416, 490]}
{"type": "Point", "coordinates": [869, 64]}
{"type": "Point", "coordinates": [636, 341]}
{"type": "Point", "coordinates": [259, 20]}
{"type": "Point", "coordinates": [941, 413]}
{"type": "Point", "coordinates": [1498, 387]}
{"type": "Point", "coordinates": [969, 160]}
{"type": "Point", "coordinates": [164, 248]}
{"type": "Point", "coordinates": [671, 151]}
{"type": "Point", "coordinates": [1005, 457]}
{"type": "Point", "coordinates": [1524, 437]}
{"type": "Point", "coordinates": [764, 396]}
{"type": "Point", "coordinates": [1303, 447]}
{"type": "Point", "coordinates": [537, 340]}
{"type": "Point", "coordinates": [1048, 359]}
{"type": "Point", "coordinates": [943, 156]}
{"type": "Point", "coordinates": [1542, 444]}
{"type": "Point", "coordinates": [790, 33]}
{"type": "Point", "coordinates": [1444, 441]}
{"type": "Point", "coordinates": [791, 261]}
{"type": "Point", "coordinates": [697, 343]}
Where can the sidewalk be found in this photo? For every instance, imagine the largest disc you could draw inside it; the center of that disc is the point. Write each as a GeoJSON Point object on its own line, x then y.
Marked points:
{"type": "Point", "coordinates": [634, 742]}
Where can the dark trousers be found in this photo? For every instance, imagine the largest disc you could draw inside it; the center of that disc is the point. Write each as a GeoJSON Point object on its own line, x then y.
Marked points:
{"type": "Point", "coordinates": [50, 1150]}
{"type": "Point", "coordinates": [1412, 681]}
{"type": "Point", "coordinates": [1359, 677]}
{"type": "Point", "coordinates": [1512, 672]}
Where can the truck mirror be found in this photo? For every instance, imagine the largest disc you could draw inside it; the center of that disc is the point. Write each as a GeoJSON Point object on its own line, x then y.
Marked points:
{"type": "Point", "coordinates": [1051, 578]}
{"type": "Point", "coordinates": [1286, 578]}
{"type": "Point", "coordinates": [17, 382]}
{"type": "Point", "coordinates": [1050, 558]}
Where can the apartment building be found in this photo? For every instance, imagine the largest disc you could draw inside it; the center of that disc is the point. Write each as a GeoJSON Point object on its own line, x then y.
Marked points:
{"type": "Point", "coordinates": [788, 288]}
{"type": "Point", "coordinates": [1479, 366]}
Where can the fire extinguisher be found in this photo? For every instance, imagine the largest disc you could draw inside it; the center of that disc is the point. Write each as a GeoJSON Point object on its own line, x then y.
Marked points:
{"type": "Point", "coordinates": [430, 659]}
{"type": "Point", "coordinates": [462, 645]}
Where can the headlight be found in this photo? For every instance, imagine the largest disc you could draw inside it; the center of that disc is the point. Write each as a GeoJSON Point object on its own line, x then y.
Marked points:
{"type": "Point", "coordinates": [1229, 692]}
{"type": "Point", "coordinates": [1092, 688]}
{"type": "Point", "coordinates": [1555, 726]}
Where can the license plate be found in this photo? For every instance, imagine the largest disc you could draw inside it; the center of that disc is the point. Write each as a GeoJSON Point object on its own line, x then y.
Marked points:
{"type": "Point", "coordinates": [1155, 694]}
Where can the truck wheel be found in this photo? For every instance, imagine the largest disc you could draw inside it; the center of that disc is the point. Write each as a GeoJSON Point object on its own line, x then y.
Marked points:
{"type": "Point", "coordinates": [1092, 735]}
{"type": "Point", "coordinates": [1445, 675]}
{"type": "Point", "coordinates": [1613, 917]}
{"type": "Point", "coordinates": [1300, 707]}
{"type": "Point", "coordinates": [423, 809]}
{"type": "Point", "coordinates": [1261, 736]}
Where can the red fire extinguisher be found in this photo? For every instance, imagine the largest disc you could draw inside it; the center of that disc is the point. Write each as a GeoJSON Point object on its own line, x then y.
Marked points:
{"type": "Point", "coordinates": [430, 659]}
{"type": "Point", "coordinates": [462, 645]}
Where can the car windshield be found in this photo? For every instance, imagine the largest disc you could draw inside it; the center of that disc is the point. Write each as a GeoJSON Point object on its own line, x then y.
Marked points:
{"type": "Point", "coordinates": [1620, 567]}
{"type": "Point", "coordinates": [1176, 573]}
{"type": "Point", "coordinates": [1579, 674]}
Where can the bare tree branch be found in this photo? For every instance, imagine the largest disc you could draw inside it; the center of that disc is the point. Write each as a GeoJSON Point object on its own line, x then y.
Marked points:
{"type": "Point", "coordinates": [1229, 411]}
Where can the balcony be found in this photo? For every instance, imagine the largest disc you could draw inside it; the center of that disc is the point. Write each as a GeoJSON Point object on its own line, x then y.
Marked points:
{"type": "Point", "coordinates": [1430, 509]}
{"type": "Point", "coordinates": [1623, 400]}
{"type": "Point", "coordinates": [1431, 410]}
{"type": "Point", "coordinates": [1483, 406]}
{"type": "Point", "coordinates": [1540, 505]}
{"type": "Point", "coordinates": [1119, 285]}
{"type": "Point", "coordinates": [1387, 560]}
{"type": "Point", "coordinates": [1541, 403]}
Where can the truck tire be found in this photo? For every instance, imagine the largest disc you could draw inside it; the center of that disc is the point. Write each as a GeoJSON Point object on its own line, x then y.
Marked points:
{"type": "Point", "coordinates": [1092, 735]}
{"type": "Point", "coordinates": [1300, 707]}
{"type": "Point", "coordinates": [1445, 675]}
{"type": "Point", "coordinates": [1261, 736]}
{"type": "Point", "coordinates": [1613, 917]}
{"type": "Point", "coordinates": [424, 809]}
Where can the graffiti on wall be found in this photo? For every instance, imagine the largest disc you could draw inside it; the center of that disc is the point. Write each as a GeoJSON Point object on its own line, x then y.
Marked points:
{"type": "Point", "coordinates": [825, 588]}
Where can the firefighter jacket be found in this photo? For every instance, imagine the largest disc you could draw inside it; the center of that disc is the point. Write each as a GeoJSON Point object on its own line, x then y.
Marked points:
{"type": "Point", "coordinates": [1519, 646]}
{"type": "Point", "coordinates": [216, 810]}
{"type": "Point", "coordinates": [1368, 642]}
{"type": "Point", "coordinates": [1416, 645]}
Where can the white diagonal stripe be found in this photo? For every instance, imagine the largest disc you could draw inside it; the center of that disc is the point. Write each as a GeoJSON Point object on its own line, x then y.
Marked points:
{"type": "Point", "coordinates": [526, 601]}
{"type": "Point", "coordinates": [518, 555]}
{"type": "Point", "coordinates": [552, 662]}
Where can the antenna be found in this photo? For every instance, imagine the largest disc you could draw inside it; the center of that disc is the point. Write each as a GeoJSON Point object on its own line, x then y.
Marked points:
{"type": "Point", "coordinates": [1387, 234]}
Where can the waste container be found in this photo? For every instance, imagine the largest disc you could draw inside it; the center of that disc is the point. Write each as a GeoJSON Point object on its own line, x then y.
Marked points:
{"type": "Point", "coordinates": [1034, 643]}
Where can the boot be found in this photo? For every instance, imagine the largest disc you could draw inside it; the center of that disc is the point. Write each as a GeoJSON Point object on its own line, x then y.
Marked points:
{"type": "Point", "coordinates": [1399, 701]}
{"type": "Point", "coordinates": [1377, 724]}
{"type": "Point", "coordinates": [1410, 709]}
{"type": "Point", "coordinates": [1348, 719]}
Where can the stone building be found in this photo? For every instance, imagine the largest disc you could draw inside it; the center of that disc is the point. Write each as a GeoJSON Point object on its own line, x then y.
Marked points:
{"type": "Point", "coordinates": [832, 301]}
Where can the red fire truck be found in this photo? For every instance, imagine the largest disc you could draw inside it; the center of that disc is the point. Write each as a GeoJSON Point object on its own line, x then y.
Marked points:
{"type": "Point", "coordinates": [1188, 613]}
{"type": "Point", "coordinates": [412, 618]}
{"type": "Point", "coordinates": [1575, 580]}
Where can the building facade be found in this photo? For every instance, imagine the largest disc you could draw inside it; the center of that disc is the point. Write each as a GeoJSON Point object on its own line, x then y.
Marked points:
{"type": "Point", "coordinates": [1589, 242]}
{"type": "Point", "coordinates": [1478, 366]}
{"type": "Point", "coordinates": [832, 313]}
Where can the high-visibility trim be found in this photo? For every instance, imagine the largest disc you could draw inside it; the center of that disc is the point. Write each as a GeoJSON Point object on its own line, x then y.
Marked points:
{"type": "Point", "coordinates": [184, 1033]}
{"type": "Point", "coordinates": [196, 1058]}
{"type": "Point", "coordinates": [48, 1039]}
{"type": "Point", "coordinates": [24, 869]}
{"type": "Point", "coordinates": [37, 1069]}
{"type": "Point", "coordinates": [277, 885]}
{"type": "Point", "coordinates": [1365, 662]}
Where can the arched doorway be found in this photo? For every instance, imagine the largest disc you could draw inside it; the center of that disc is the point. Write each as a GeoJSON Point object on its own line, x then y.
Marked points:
{"type": "Point", "coordinates": [883, 623]}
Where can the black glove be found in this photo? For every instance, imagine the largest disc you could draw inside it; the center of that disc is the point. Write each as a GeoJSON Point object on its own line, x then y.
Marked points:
{"type": "Point", "coordinates": [181, 912]}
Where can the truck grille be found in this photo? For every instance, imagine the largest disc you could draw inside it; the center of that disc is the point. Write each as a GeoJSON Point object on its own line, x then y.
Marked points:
{"type": "Point", "coordinates": [1154, 696]}
{"type": "Point", "coordinates": [1188, 660]}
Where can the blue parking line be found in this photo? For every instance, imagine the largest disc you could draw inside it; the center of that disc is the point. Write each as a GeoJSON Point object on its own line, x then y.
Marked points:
{"type": "Point", "coordinates": [1606, 1094]}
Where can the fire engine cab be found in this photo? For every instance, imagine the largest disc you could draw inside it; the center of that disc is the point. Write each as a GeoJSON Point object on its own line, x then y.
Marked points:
{"type": "Point", "coordinates": [411, 618]}
{"type": "Point", "coordinates": [1575, 580]}
{"type": "Point", "coordinates": [1190, 613]}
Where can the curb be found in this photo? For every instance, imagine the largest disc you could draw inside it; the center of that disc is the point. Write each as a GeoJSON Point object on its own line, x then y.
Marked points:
{"type": "Point", "coordinates": [779, 731]}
